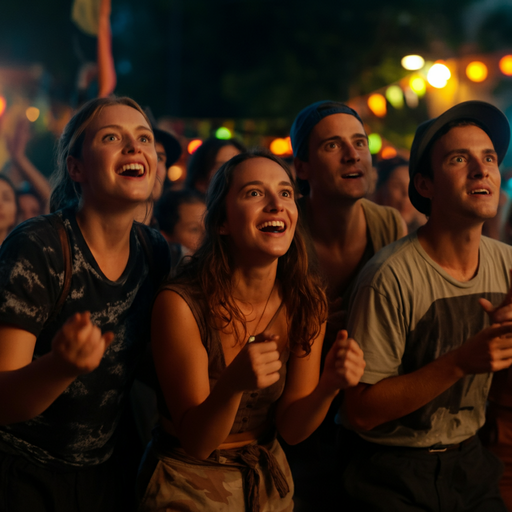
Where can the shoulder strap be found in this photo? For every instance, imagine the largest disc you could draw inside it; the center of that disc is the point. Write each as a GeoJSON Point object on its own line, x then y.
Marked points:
{"type": "Point", "coordinates": [58, 224]}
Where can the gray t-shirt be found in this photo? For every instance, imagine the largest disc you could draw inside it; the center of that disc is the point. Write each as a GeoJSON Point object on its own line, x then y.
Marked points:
{"type": "Point", "coordinates": [406, 312]}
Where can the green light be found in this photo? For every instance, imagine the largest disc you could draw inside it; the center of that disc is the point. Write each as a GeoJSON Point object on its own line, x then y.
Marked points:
{"type": "Point", "coordinates": [418, 85]}
{"type": "Point", "coordinates": [223, 133]}
{"type": "Point", "coordinates": [374, 143]}
{"type": "Point", "coordinates": [395, 96]}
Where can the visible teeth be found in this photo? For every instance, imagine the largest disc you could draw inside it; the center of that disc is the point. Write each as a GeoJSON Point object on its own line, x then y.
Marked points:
{"type": "Point", "coordinates": [272, 223]}
{"type": "Point", "coordinates": [480, 191]}
{"type": "Point", "coordinates": [352, 175]}
{"type": "Point", "coordinates": [133, 167]}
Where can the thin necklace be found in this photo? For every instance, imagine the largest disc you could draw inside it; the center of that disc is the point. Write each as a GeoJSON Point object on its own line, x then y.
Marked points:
{"type": "Point", "coordinates": [252, 338]}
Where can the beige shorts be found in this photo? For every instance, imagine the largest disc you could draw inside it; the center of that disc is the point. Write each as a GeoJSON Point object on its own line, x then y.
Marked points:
{"type": "Point", "coordinates": [186, 485]}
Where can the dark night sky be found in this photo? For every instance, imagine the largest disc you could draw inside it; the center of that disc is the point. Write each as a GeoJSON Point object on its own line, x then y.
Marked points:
{"type": "Point", "coordinates": [253, 59]}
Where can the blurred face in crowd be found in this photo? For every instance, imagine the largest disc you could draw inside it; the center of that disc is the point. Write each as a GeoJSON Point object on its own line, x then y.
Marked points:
{"type": "Point", "coordinates": [29, 207]}
{"type": "Point", "coordinates": [224, 154]}
{"type": "Point", "coordinates": [189, 229]}
{"type": "Point", "coordinates": [339, 164]}
{"type": "Point", "coordinates": [8, 209]}
{"type": "Point", "coordinates": [395, 193]}
{"type": "Point", "coordinates": [161, 171]}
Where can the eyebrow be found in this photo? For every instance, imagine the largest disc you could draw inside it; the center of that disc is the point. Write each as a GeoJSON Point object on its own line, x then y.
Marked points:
{"type": "Point", "coordinates": [352, 137]}
{"type": "Point", "coordinates": [465, 151]}
{"type": "Point", "coordinates": [118, 127]}
{"type": "Point", "coordinates": [260, 183]}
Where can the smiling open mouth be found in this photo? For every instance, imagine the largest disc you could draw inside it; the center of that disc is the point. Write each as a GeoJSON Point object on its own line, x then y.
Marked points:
{"type": "Point", "coordinates": [132, 170]}
{"type": "Point", "coordinates": [273, 226]}
{"type": "Point", "coordinates": [352, 175]}
{"type": "Point", "coordinates": [479, 191]}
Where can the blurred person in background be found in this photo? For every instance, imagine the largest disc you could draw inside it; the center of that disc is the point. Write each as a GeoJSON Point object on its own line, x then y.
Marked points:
{"type": "Point", "coordinates": [8, 207]}
{"type": "Point", "coordinates": [168, 150]}
{"type": "Point", "coordinates": [207, 158]}
{"type": "Point", "coordinates": [179, 214]}
{"type": "Point", "coordinates": [34, 192]}
{"type": "Point", "coordinates": [393, 190]}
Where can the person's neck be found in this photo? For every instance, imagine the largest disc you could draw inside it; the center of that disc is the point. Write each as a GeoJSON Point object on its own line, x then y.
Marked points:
{"type": "Point", "coordinates": [105, 230]}
{"type": "Point", "coordinates": [144, 213]}
{"type": "Point", "coordinates": [254, 284]}
{"type": "Point", "coordinates": [452, 245]}
{"type": "Point", "coordinates": [335, 222]}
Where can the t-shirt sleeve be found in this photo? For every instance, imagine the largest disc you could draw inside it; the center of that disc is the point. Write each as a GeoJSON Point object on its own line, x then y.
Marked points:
{"type": "Point", "coordinates": [378, 326]}
{"type": "Point", "coordinates": [31, 275]}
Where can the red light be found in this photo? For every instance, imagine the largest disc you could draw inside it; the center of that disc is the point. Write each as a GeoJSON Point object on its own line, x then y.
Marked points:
{"type": "Point", "coordinates": [193, 145]}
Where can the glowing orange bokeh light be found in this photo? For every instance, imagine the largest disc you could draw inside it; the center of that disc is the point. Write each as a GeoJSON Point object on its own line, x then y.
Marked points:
{"type": "Point", "coordinates": [476, 71]}
{"type": "Point", "coordinates": [377, 104]}
{"type": "Point", "coordinates": [175, 172]}
{"type": "Point", "coordinates": [506, 65]}
{"type": "Point", "coordinates": [3, 105]}
{"type": "Point", "coordinates": [388, 152]}
{"type": "Point", "coordinates": [281, 146]}
{"type": "Point", "coordinates": [193, 145]}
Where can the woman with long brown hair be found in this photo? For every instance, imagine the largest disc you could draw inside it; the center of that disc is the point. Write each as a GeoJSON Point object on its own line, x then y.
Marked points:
{"type": "Point", "coordinates": [237, 339]}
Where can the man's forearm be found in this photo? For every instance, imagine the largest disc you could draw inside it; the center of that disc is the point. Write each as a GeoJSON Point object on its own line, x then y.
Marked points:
{"type": "Point", "coordinates": [371, 405]}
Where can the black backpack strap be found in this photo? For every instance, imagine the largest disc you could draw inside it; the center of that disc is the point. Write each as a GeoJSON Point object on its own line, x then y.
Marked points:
{"type": "Point", "coordinates": [58, 224]}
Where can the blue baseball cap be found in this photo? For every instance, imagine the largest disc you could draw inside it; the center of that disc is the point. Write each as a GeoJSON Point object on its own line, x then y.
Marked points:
{"type": "Point", "coordinates": [309, 117]}
{"type": "Point", "coordinates": [488, 117]}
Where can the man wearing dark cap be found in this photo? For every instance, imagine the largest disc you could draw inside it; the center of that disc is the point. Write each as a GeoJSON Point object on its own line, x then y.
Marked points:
{"type": "Point", "coordinates": [334, 167]}
{"type": "Point", "coordinates": [423, 313]}
{"type": "Point", "coordinates": [168, 150]}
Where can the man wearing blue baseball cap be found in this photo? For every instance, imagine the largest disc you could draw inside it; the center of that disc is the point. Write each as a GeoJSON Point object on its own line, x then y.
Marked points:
{"type": "Point", "coordinates": [433, 313]}
{"type": "Point", "coordinates": [334, 167]}
{"type": "Point", "coordinates": [334, 170]}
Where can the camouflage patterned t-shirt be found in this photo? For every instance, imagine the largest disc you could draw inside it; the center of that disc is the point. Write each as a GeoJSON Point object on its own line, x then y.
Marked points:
{"type": "Point", "coordinates": [77, 429]}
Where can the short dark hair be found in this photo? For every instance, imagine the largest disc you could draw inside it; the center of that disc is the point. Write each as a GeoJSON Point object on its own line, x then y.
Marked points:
{"type": "Point", "coordinates": [202, 160]}
{"type": "Point", "coordinates": [167, 209]}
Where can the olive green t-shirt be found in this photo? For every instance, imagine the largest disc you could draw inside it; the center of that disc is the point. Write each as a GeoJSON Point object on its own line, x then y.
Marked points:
{"type": "Point", "coordinates": [405, 313]}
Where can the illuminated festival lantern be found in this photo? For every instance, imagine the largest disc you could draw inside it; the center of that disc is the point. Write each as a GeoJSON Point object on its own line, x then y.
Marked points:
{"type": "Point", "coordinates": [193, 145]}
{"type": "Point", "coordinates": [223, 133]}
{"type": "Point", "coordinates": [505, 65]}
{"type": "Point", "coordinates": [32, 114]}
{"type": "Point", "coordinates": [438, 75]}
{"type": "Point", "coordinates": [281, 147]}
{"type": "Point", "coordinates": [395, 96]}
{"type": "Point", "coordinates": [377, 104]}
{"type": "Point", "coordinates": [374, 143]}
{"type": "Point", "coordinates": [476, 71]}
{"type": "Point", "coordinates": [413, 62]}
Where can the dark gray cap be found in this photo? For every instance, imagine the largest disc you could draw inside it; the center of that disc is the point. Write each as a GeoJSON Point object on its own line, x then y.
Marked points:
{"type": "Point", "coordinates": [308, 118]}
{"type": "Point", "coordinates": [490, 118]}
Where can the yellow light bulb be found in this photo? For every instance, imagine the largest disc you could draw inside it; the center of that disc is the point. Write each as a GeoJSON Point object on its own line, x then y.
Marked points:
{"type": "Point", "coordinates": [476, 71]}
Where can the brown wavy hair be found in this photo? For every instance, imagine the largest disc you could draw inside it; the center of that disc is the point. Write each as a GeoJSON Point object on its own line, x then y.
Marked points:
{"type": "Point", "coordinates": [211, 268]}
